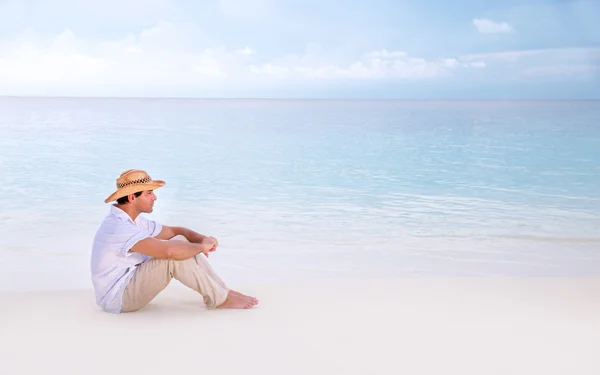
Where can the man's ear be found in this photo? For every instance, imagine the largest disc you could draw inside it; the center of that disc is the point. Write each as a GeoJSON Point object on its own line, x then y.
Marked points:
{"type": "Point", "coordinates": [131, 197]}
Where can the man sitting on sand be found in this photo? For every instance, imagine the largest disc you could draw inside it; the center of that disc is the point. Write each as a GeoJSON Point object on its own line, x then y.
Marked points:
{"type": "Point", "coordinates": [131, 263]}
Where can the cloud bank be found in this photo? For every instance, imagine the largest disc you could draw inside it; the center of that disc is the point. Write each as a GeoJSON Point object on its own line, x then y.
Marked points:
{"type": "Point", "coordinates": [181, 58]}
{"type": "Point", "coordinates": [161, 55]}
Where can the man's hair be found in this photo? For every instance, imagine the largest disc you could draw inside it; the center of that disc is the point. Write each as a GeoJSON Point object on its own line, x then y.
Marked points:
{"type": "Point", "coordinates": [125, 199]}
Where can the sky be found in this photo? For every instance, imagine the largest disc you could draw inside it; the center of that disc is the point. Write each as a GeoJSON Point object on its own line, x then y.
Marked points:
{"type": "Point", "coordinates": [462, 49]}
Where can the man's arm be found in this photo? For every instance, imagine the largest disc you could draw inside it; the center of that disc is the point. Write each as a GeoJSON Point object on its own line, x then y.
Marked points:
{"type": "Point", "coordinates": [169, 232]}
{"type": "Point", "coordinates": [177, 250]}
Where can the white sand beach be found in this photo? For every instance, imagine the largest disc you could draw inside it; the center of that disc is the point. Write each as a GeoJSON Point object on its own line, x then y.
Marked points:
{"type": "Point", "coordinates": [408, 326]}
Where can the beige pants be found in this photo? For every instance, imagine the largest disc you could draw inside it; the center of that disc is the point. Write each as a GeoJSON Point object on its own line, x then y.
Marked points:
{"type": "Point", "coordinates": [152, 276]}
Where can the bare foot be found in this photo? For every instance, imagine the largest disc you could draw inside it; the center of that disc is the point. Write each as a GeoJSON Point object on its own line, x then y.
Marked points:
{"type": "Point", "coordinates": [252, 299]}
{"type": "Point", "coordinates": [236, 301]}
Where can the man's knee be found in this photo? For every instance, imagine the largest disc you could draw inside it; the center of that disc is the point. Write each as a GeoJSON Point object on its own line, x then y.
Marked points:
{"type": "Point", "coordinates": [179, 237]}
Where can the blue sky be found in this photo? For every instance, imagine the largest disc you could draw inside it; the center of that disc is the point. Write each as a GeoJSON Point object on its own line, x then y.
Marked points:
{"type": "Point", "coordinates": [268, 48]}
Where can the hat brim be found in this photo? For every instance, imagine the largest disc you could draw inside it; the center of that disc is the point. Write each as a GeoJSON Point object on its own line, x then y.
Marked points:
{"type": "Point", "coordinates": [152, 185]}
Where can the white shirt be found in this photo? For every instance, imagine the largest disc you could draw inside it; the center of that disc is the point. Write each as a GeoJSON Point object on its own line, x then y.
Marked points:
{"type": "Point", "coordinates": [112, 264]}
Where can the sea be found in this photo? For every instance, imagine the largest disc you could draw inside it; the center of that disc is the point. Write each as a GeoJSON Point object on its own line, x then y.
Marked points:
{"type": "Point", "coordinates": [300, 191]}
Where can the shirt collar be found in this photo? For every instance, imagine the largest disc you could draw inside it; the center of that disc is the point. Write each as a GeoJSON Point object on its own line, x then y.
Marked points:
{"type": "Point", "coordinates": [114, 210]}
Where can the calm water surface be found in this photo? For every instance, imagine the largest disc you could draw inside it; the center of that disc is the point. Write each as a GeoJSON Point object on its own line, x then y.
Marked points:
{"type": "Point", "coordinates": [309, 189]}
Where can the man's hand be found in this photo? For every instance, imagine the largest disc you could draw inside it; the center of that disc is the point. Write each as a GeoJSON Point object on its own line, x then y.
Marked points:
{"type": "Point", "coordinates": [210, 241]}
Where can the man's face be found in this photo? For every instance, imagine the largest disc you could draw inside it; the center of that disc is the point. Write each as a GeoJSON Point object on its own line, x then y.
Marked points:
{"type": "Point", "coordinates": [145, 202]}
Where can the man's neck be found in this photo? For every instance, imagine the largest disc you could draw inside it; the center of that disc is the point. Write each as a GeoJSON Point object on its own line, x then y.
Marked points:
{"type": "Point", "coordinates": [129, 210]}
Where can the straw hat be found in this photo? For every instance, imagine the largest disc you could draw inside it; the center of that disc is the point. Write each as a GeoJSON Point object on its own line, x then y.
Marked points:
{"type": "Point", "coordinates": [132, 181]}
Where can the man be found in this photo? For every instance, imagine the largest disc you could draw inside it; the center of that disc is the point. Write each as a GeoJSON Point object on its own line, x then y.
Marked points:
{"type": "Point", "coordinates": [131, 263]}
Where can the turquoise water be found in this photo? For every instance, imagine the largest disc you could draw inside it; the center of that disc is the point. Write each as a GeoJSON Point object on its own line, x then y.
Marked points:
{"type": "Point", "coordinates": [310, 189]}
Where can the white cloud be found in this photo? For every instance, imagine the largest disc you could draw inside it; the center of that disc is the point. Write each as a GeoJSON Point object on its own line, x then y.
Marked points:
{"type": "Point", "coordinates": [61, 61]}
{"type": "Point", "coordinates": [578, 63]}
{"type": "Point", "coordinates": [166, 55]}
{"type": "Point", "coordinates": [270, 69]}
{"type": "Point", "coordinates": [478, 64]}
{"type": "Point", "coordinates": [374, 65]}
{"type": "Point", "coordinates": [155, 56]}
{"type": "Point", "coordinates": [451, 63]}
{"type": "Point", "coordinates": [386, 54]}
{"type": "Point", "coordinates": [247, 51]}
{"type": "Point", "coordinates": [548, 54]}
{"type": "Point", "coordinates": [505, 56]}
{"type": "Point", "coordinates": [486, 26]}
{"type": "Point", "coordinates": [210, 67]}
{"type": "Point", "coordinates": [161, 55]}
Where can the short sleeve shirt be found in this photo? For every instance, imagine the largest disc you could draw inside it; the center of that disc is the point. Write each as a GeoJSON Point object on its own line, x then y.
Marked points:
{"type": "Point", "coordinates": [112, 262]}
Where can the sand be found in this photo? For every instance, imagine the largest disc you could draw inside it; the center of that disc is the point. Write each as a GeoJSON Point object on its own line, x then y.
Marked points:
{"type": "Point", "coordinates": [406, 326]}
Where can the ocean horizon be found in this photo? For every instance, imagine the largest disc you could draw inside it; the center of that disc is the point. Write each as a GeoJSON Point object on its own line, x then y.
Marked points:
{"type": "Point", "coordinates": [302, 189]}
{"type": "Point", "coordinates": [303, 98]}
